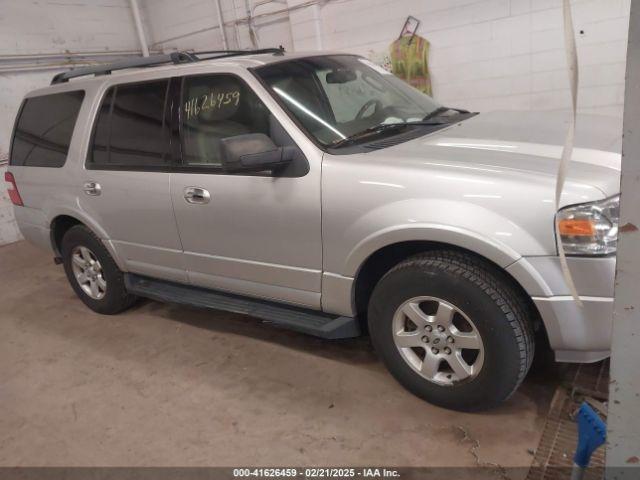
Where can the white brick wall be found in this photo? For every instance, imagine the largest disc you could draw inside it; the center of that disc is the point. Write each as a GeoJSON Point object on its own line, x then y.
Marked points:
{"type": "Point", "coordinates": [486, 54]}
{"type": "Point", "coordinates": [193, 24]}
{"type": "Point", "coordinates": [32, 26]}
{"type": "Point", "coordinates": [497, 54]}
{"type": "Point", "coordinates": [40, 26]}
{"type": "Point", "coordinates": [167, 19]}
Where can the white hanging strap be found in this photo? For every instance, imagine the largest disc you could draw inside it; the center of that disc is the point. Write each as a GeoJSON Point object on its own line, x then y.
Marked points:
{"type": "Point", "coordinates": [572, 62]}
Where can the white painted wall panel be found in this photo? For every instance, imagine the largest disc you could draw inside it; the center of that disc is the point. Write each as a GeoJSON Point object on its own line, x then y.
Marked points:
{"type": "Point", "coordinates": [29, 26]}
{"type": "Point", "coordinates": [485, 54]}
{"type": "Point", "coordinates": [40, 26]}
{"type": "Point", "coordinates": [168, 19]}
{"type": "Point", "coordinates": [497, 53]}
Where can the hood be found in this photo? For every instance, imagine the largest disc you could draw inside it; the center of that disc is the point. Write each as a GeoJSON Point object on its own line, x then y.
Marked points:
{"type": "Point", "coordinates": [527, 142]}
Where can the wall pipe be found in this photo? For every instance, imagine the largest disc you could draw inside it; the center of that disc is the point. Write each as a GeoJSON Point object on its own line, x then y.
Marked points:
{"type": "Point", "coordinates": [36, 56]}
{"type": "Point", "coordinates": [242, 21]}
{"type": "Point", "coordinates": [73, 60]}
{"type": "Point", "coordinates": [252, 33]}
{"type": "Point", "coordinates": [139, 29]}
{"type": "Point", "coordinates": [43, 66]}
{"type": "Point", "coordinates": [236, 30]}
{"type": "Point", "coordinates": [221, 25]}
{"type": "Point", "coordinates": [317, 22]}
{"type": "Point", "coordinates": [252, 15]}
{"type": "Point", "coordinates": [291, 34]}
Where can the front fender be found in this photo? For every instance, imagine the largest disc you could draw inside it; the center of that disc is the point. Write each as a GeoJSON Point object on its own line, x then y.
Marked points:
{"type": "Point", "coordinates": [461, 224]}
{"type": "Point", "coordinates": [500, 254]}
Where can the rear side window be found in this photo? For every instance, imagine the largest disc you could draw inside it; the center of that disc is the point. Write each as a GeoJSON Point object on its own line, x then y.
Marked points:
{"type": "Point", "coordinates": [44, 128]}
{"type": "Point", "coordinates": [131, 129]}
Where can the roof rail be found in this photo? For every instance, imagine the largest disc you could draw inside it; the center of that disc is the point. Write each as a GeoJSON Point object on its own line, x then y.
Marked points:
{"type": "Point", "coordinates": [155, 60]}
{"type": "Point", "coordinates": [236, 53]}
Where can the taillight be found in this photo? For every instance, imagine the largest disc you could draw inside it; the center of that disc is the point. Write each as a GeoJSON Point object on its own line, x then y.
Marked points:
{"type": "Point", "coordinates": [12, 189]}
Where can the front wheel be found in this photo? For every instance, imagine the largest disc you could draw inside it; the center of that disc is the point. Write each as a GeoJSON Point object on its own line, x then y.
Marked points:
{"type": "Point", "coordinates": [452, 330]}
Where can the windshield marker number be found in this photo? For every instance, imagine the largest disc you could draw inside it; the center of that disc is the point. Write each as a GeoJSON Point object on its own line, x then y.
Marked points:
{"type": "Point", "coordinates": [201, 103]}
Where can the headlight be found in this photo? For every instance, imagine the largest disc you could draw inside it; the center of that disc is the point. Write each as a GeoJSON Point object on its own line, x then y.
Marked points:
{"type": "Point", "coordinates": [590, 228]}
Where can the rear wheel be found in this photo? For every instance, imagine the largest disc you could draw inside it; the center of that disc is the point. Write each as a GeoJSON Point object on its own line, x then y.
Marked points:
{"type": "Point", "coordinates": [452, 330]}
{"type": "Point", "coordinates": [92, 272]}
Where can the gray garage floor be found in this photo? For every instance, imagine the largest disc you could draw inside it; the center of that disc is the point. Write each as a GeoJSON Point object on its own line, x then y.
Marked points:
{"type": "Point", "coordinates": [169, 385]}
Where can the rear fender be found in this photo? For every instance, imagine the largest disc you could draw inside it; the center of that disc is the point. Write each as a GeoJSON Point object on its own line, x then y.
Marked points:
{"type": "Point", "coordinates": [80, 215]}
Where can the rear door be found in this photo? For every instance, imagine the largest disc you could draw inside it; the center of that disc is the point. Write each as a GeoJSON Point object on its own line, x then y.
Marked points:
{"type": "Point", "coordinates": [252, 234]}
{"type": "Point", "coordinates": [126, 180]}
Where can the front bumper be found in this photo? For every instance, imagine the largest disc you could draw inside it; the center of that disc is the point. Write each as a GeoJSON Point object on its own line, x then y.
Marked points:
{"type": "Point", "coordinates": [576, 334]}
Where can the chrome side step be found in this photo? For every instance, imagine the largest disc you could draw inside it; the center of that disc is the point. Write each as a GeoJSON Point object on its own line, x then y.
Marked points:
{"type": "Point", "coordinates": [294, 318]}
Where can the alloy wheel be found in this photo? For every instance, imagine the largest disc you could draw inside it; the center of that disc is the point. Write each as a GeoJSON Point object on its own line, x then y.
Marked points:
{"type": "Point", "coordinates": [438, 340]}
{"type": "Point", "coordinates": [88, 272]}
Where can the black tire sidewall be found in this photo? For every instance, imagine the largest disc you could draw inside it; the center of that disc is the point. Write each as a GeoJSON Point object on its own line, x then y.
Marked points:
{"type": "Point", "coordinates": [116, 297]}
{"type": "Point", "coordinates": [500, 372]}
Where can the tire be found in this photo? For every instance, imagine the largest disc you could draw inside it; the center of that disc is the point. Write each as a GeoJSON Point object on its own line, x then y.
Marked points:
{"type": "Point", "coordinates": [81, 244]}
{"type": "Point", "coordinates": [477, 307]}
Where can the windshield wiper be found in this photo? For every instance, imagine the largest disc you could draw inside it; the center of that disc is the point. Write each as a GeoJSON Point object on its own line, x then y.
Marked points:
{"type": "Point", "coordinates": [368, 131]}
{"type": "Point", "coordinates": [427, 120]}
{"type": "Point", "coordinates": [440, 110]}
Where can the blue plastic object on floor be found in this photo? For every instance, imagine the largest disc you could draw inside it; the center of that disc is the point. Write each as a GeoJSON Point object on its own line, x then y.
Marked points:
{"type": "Point", "coordinates": [592, 433]}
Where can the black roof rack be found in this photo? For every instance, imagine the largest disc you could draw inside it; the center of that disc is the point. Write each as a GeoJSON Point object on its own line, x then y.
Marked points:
{"type": "Point", "coordinates": [161, 59]}
{"type": "Point", "coordinates": [236, 53]}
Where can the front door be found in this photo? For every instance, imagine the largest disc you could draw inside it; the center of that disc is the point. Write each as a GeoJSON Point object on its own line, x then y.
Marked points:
{"type": "Point", "coordinates": [252, 234]}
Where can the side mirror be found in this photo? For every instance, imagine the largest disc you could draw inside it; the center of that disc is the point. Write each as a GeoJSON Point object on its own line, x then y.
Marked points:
{"type": "Point", "coordinates": [252, 152]}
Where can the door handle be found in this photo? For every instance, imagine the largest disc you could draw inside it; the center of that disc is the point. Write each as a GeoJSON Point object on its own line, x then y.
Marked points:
{"type": "Point", "coordinates": [196, 195]}
{"type": "Point", "coordinates": [92, 188]}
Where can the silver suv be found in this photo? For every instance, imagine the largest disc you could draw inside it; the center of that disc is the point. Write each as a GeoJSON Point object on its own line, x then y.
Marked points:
{"type": "Point", "coordinates": [322, 194]}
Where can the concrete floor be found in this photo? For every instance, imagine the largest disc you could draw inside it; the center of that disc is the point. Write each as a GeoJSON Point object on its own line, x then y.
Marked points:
{"type": "Point", "coordinates": [170, 385]}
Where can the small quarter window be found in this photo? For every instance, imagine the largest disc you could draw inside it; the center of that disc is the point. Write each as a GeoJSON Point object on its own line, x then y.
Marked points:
{"type": "Point", "coordinates": [44, 128]}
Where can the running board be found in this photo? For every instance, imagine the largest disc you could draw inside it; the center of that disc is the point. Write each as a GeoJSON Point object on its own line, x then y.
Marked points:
{"type": "Point", "coordinates": [293, 318]}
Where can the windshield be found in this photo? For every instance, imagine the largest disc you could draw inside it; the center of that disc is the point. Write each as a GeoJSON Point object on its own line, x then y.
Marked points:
{"type": "Point", "coordinates": [337, 97]}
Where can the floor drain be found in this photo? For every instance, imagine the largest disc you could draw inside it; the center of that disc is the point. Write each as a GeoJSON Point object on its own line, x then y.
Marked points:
{"type": "Point", "coordinates": [553, 458]}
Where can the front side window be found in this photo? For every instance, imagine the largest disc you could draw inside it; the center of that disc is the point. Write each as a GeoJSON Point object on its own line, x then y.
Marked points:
{"type": "Point", "coordinates": [336, 97]}
{"type": "Point", "coordinates": [214, 107]}
{"type": "Point", "coordinates": [132, 128]}
{"type": "Point", "coordinates": [44, 128]}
